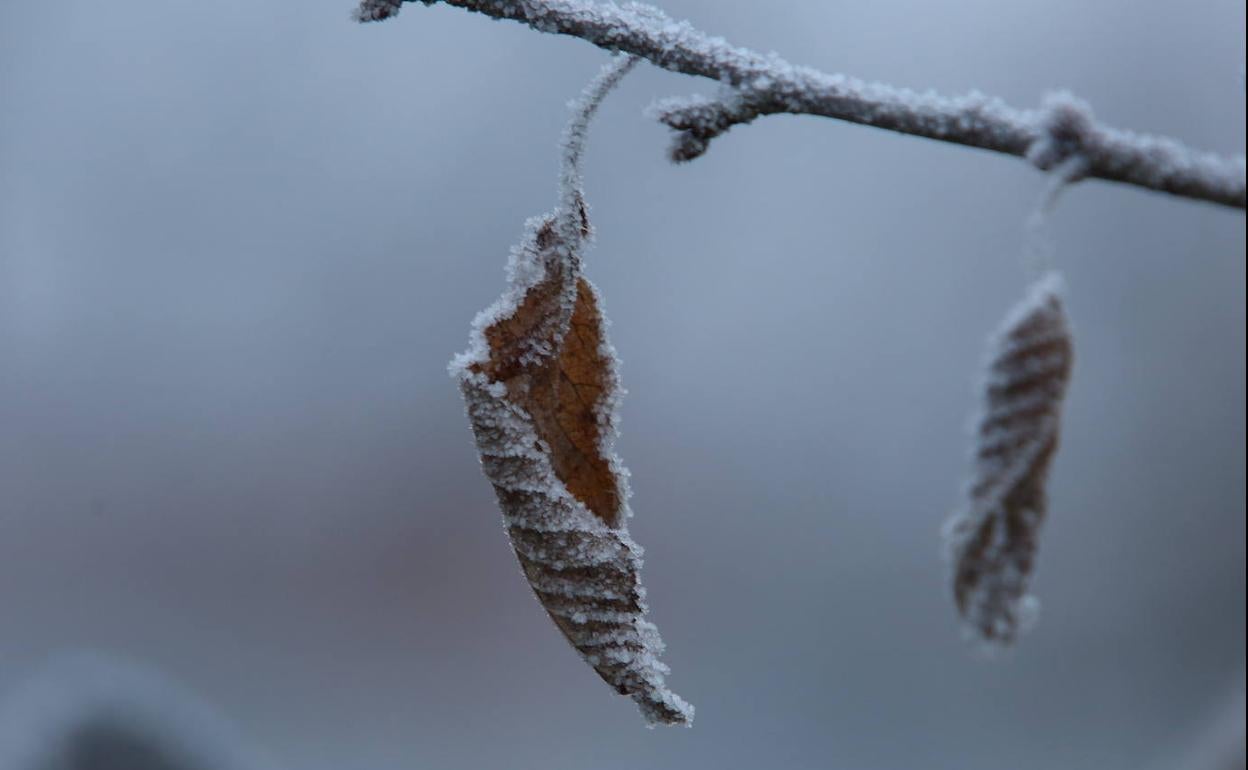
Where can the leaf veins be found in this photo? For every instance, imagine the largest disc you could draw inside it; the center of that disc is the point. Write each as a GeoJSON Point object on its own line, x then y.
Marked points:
{"type": "Point", "coordinates": [993, 539]}
{"type": "Point", "coordinates": [541, 388]}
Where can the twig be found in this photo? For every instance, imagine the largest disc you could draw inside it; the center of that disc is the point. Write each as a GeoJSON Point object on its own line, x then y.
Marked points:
{"type": "Point", "coordinates": [766, 85]}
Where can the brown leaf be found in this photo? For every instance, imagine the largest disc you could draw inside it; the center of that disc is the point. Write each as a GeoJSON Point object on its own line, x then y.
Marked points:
{"type": "Point", "coordinates": [993, 540]}
{"type": "Point", "coordinates": [541, 389]}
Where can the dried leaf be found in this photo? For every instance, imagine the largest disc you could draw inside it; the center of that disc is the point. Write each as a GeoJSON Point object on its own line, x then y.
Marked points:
{"type": "Point", "coordinates": [541, 388]}
{"type": "Point", "coordinates": [993, 539]}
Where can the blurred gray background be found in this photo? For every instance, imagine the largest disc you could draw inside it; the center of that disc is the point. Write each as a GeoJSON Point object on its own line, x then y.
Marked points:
{"type": "Point", "coordinates": [240, 240]}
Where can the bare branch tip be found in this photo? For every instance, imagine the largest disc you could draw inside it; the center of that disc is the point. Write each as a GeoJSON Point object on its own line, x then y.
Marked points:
{"type": "Point", "coordinates": [376, 10]}
{"type": "Point", "coordinates": [686, 146]}
{"type": "Point", "coordinates": [696, 120]}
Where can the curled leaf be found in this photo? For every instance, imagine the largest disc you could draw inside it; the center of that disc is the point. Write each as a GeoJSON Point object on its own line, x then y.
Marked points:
{"type": "Point", "coordinates": [541, 388]}
{"type": "Point", "coordinates": [993, 539]}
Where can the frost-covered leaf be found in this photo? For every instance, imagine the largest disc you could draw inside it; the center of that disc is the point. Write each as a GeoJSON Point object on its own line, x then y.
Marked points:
{"type": "Point", "coordinates": [541, 389]}
{"type": "Point", "coordinates": [90, 713]}
{"type": "Point", "coordinates": [993, 539]}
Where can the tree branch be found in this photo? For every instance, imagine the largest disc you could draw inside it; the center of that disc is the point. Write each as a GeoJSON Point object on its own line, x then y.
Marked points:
{"type": "Point", "coordinates": [757, 85]}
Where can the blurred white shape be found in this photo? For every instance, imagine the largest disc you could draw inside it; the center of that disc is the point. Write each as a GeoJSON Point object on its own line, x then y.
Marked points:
{"type": "Point", "coordinates": [1221, 745]}
{"type": "Point", "coordinates": [90, 712]}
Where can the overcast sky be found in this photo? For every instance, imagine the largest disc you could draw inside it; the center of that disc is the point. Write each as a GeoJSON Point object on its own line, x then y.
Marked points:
{"type": "Point", "coordinates": [239, 241]}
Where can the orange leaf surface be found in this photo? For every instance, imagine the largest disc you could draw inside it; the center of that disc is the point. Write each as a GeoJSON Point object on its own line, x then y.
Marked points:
{"type": "Point", "coordinates": [541, 389]}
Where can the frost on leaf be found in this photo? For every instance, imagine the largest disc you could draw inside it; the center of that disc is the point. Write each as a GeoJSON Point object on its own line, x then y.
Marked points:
{"type": "Point", "coordinates": [993, 539]}
{"type": "Point", "coordinates": [540, 384]}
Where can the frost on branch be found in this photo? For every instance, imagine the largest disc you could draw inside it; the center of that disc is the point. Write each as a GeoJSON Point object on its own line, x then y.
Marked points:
{"type": "Point", "coordinates": [541, 388]}
{"type": "Point", "coordinates": [1067, 129]}
{"type": "Point", "coordinates": [993, 539]}
{"type": "Point", "coordinates": [696, 120]}
{"type": "Point", "coordinates": [757, 84]}
{"type": "Point", "coordinates": [89, 713]}
{"type": "Point", "coordinates": [377, 10]}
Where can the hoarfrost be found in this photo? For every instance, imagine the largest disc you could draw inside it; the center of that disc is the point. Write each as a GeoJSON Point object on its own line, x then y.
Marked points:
{"type": "Point", "coordinates": [758, 84]}
{"type": "Point", "coordinates": [540, 381]}
{"type": "Point", "coordinates": [992, 541]}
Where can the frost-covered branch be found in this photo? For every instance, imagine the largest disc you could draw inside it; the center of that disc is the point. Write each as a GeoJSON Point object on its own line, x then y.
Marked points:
{"type": "Point", "coordinates": [757, 84]}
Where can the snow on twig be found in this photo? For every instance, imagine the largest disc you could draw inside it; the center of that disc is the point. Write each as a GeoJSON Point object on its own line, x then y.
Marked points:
{"type": "Point", "coordinates": [757, 84]}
